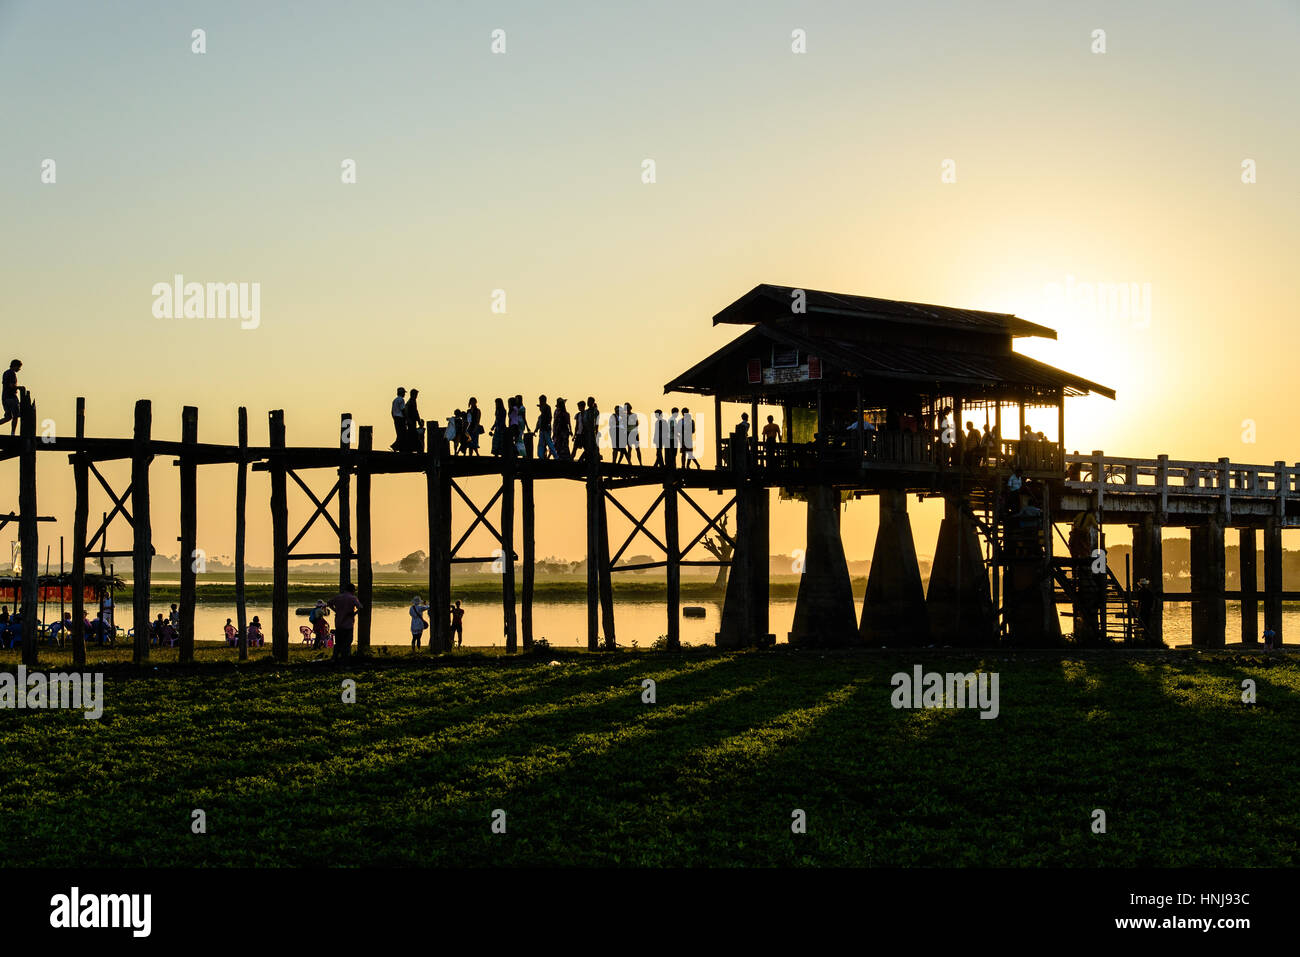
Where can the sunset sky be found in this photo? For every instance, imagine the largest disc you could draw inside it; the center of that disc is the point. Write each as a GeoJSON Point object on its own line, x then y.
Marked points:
{"type": "Point", "coordinates": [522, 171]}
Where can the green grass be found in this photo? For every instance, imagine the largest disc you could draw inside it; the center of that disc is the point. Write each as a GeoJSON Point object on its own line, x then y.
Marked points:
{"type": "Point", "coordinates": [588, 774]}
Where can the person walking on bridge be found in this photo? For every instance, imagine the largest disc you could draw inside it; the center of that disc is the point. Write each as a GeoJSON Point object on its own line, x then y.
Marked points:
{"type": "Point", "coordinates": [633, 433]}
{"type": "Point", "coordinates": [689, 457]}
{"type": "Point", "coordinates": [399, 420]}
{"type": "Point", "coordinates": [562, 430]}
{"type": "Point", "coordinates": [544, 443]}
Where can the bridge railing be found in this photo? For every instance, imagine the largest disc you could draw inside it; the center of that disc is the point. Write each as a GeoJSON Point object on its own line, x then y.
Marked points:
{"type": "Point", "coordinates": [902, 449]}
{"type": "Point", "coordinates": [1111, 475]}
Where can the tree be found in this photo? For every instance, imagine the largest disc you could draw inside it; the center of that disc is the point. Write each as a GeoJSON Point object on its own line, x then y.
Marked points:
{"type": "Point", "coordinates": [413, 562]}
{"type": "Point", "coordinates": [721, 550]}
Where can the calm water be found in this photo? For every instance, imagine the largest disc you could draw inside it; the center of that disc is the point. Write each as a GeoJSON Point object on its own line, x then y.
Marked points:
{"type": "Point", "coordinates": [565, 623]}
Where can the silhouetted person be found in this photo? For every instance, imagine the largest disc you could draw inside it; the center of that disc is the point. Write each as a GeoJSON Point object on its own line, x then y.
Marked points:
{"type": "Point", "coordinates": [659, 436]}
{"type": "Point", "coordinates": [674, 437]}
{"type": "Point", "coordinates": [972, 445]}
{"type": "Point", "coordinates": [9, 395]}
{"type": "Point", "coordinates": [562, 431]}
{"type": "Point", "coordinates": [399, 419]}
{"type": "Point", "coordinates": [458, 623]}
{"type": "Point", "coordinates": [633, 433]}
{"type": "Point", "coordinates": [414, 424]}
{"type": "Point", "coordinates": [580, 431]}
{"type": "Point", "coordinates": [618, 435]}
{"type": "Point", "coordinates": [771, 436]}
{"type": "Point", "coordinates": [545, 445]}
{"type": "Point", "coordinates": [689, 457]}
{"type": "Point", "coordinates": [345, 606]}
{"type": "Point", "coordinates": [473, 425]}
{"type": "Point", "coordinates": [499, 428]}
{"type": "Point", "coordinates": [593, 427]}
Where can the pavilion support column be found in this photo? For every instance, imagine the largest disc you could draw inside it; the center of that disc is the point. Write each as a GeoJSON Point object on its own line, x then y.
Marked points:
{"type": "Point", "coordinates": [1149, 564]}
{"type": "Point", "coordinates": [438, 493]}
{"type": "Point", "coordinates": [365, 570]}
{"type": "Point", "coordinates": [1273, 579]}
{"type": "Point", "coordinates": [1249, 584]}
{"type": "Point", "coordinates": [1208, 604]}
{"type": "Point", "coordinates": [744, 621]}
{"type": "Point", "coordinates": [824, 614]}
{"type": "Point", "coordinates": [189, 532]}
{"type": "Point", "coordinates": [894, 610]}
{"type": "Point", "coordinates": [81, 484]}
{"type": "Point", "coordinates": [959, 604]}
{"type": "Point", "coordinates": [717, 431]}
{"type": "Point", "coordinates": [279, 539]}
{"type": "Point", "coordinates": [142, 540]}
{"type": "Point", "coordinates": [27, 528]}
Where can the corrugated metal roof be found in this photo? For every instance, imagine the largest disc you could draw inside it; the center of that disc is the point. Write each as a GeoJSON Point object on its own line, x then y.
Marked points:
{"type": "Point", "coordinates": [771, 303]}
{"type": "Point", "coordinates": [893, 361]}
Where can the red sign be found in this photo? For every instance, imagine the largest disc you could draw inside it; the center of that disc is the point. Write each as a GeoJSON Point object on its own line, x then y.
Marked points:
{"type": "Point", "coordinates": [814, 367]}
{"type": "Point", "coordinates": [755, 370]}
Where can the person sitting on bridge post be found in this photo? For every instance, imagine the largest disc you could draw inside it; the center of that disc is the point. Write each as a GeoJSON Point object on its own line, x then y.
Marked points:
{"type": "Point", "coordinates": [9, 396]}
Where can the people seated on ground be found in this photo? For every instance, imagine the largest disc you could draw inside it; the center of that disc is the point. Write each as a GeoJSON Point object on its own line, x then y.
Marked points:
{"type": "Point", "coordinates": [61, 630]}
{"type": "Point", "coordinates": [4, 616]}
{"type": "Point", "coordinates": [255, 632]}
{"type": "Point", "coordinates": [99, 630]}
{"type": "Point", "coordinates": [232, 634]}
{"type": "Point", "coordinates": [156, 630]}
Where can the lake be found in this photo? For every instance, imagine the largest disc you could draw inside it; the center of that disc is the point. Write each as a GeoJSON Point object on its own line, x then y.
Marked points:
{"type": "Point", "coordinates": [565, 623]}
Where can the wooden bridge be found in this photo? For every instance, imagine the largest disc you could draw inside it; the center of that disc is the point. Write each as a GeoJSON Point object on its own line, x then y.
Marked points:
{"type": "Point", "coordinates": [873, 395]}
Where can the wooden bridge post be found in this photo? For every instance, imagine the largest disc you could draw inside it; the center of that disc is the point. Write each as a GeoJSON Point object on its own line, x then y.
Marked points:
{"type": "Point", "coordinates": [279, 540]}
{"type": "Point", "coordinates": [593, 554]}
{"type": "Point", "coordinates": [365, 571]}
{"type": "Point", "coordinates": [81, 483]}
{"type": "Point", "coordinates": [508, 549]}
{"type": "Point", "coordinates": [530, 551]}
{"type": "Point", "coordinates": [606, 579]}
{"type": "Point", "coordinates": [27, 527]}
{"type": "Point", "coordinates": [241, 511]}
{"type": "Point", "coordinates": [1149, 563]}
{"type": "Point", "coordinates": [673, 563]}
{"type": "Point", "coordinates": [1208, 607]}
{"type": "Point", "coordinates": [1248, 582]}
{"type": "Point", "coordinates": [1273, 578]}
{"type": "Point", "coordinates": [345, 503]}
{"type": "Point", "coordinates": [189, 530]}
{"type": "Point", "coordinates": [141, 557]}
{"type": "Point", "coordinates": [438, 493]}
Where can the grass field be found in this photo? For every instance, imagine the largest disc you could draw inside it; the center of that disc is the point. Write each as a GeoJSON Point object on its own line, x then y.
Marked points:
{"type": "Point", "coordinates": [710, 774]}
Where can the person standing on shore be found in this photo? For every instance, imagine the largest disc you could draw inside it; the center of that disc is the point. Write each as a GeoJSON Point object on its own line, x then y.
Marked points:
{"type": "Point", "coordinates": [458, 622]}
{"type": "Point", "coordinates": [345, 606]}
{"type": "Point", "coordinates": [418, 624]}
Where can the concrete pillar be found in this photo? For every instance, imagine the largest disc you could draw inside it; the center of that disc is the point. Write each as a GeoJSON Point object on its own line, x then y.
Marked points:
{"type": "Point", "coordinates": [823, 612]}
{"type": "Point", "coordinates": [894, 610]}
{"type": "Point", "coordinates": [1208, 605]}
{"type": "Point", "coordinates": [958, 604]}
{"type": "Point", "coordinates": [1149, 563]}
{"type": "Point", "coordinates": [744, 621]}
{"type": "Point", "coordinates": [1273, 578]}
{"type": "Point", "coordinates": [1248, 583]}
